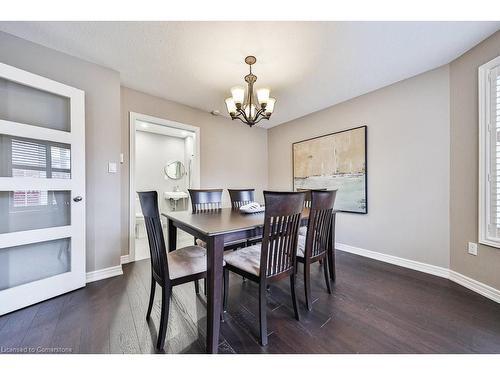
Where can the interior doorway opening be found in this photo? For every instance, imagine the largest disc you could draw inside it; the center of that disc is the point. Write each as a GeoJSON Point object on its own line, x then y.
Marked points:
{"type": "Point", "coordinates": [164, 157]}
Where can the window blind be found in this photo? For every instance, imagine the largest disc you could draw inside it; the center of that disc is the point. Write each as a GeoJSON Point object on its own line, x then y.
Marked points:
{"type": "Point", "coordinates": [37, 159]}
{"type": "Point", "coordinates": [493, 124]}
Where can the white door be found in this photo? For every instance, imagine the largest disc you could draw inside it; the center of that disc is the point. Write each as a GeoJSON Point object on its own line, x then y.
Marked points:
{"type": "Point", "coordinates": [42, 188]}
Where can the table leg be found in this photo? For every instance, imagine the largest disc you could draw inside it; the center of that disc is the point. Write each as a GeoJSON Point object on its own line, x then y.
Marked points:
{"type": "Point", "coordinates": [215, 252]}
{"type": "Point", "coordinates": [172, 236]}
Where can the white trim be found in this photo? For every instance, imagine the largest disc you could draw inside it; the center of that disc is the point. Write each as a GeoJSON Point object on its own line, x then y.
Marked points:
{"type": "Point", "coordinates": [484, 123]}
{"type": "Point", "coordinates": [133, 117]}
{"type": "Point", "coordinates": [124, 259]}
{"type": "Point", "coordinates": [467, 282]}
{"type": "Point", "coordinates": [19, 129]}
{"type": "Point", "coordinates": [475, 286]}
{"type": "Point", "coordinates": [104, 273]}
{"type": "Point", "coordinates": [407, 263]}
{"type": "Point", "coordinates": [25, 237]}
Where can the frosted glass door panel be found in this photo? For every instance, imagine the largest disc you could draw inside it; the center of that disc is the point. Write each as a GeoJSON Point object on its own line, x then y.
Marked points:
{"type": "Point", "coordinates": [26, 157]}
{"type": "Point", "coordinates": [27, 105]}
{"type": "Point", "coordinates": [24, 264]}
{"type": "Point", "coordinates": [34, 209]}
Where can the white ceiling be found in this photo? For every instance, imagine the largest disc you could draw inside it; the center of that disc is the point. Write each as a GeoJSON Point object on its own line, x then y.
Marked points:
{"type": "Point", "coordinates": [308, 65]}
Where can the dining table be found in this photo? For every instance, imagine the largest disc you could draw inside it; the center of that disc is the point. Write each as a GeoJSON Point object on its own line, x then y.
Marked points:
{"type": "Point", "coordinates": [217, 228]}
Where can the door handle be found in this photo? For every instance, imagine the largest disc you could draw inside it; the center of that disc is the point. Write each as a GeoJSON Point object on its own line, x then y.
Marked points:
{"type": "Point", "coordinates": [77, 199]}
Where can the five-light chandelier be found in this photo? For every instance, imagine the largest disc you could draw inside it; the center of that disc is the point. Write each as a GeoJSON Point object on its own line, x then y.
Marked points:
{"type": "Point", "coordinates": [248, 109]}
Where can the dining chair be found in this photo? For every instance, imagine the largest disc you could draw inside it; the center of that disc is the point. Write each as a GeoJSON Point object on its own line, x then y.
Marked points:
{"type": "Point", "coordinates": [307, 203]}
{"type": "Point", "coordinates": [167, 269]}
{"type": "Point", "coordinates": [240, 197]}
{"type": "Point", "coordinates": [273, 259]}
{"type": "Point", "coordinates": [208, 200]}
{"type": "Point", "coordinates": [205, 200]}
{"type": "Point", "coordinates": [313, 246]}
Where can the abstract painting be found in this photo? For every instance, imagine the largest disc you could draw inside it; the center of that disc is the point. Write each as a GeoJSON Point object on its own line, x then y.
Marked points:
{"type": "Point", "coordinates": [334, 161]}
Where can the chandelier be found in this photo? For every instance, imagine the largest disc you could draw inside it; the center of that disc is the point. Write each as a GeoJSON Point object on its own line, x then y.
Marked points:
{"type": "Point", "coordinates": [247, 109]}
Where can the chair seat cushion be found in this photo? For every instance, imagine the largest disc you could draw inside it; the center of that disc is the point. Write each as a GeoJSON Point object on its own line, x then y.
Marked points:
{"type": "Point", "coordinates": [246, 259]}
{"type": "Point", "coordinates": [301, 246]}
{"type": "Point", "coordinates": [186, 261]}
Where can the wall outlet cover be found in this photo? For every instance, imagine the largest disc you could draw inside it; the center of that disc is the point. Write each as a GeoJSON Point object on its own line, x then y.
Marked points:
{"type": "Point", "coordinates": [472, 248]}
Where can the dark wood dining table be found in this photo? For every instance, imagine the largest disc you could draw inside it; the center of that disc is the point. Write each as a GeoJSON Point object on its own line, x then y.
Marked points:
{"type": "Point", "coordinates": [216, 228]}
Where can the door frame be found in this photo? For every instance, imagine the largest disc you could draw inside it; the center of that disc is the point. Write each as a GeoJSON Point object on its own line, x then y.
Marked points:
{"type": "Point", "coordinates": [133, 117]}
{"type": "Point", "coordinates": [39, 290]}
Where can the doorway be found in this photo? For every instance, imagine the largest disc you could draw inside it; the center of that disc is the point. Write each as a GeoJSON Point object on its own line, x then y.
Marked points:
{"type": "Point", "coordinates": [164, 157]}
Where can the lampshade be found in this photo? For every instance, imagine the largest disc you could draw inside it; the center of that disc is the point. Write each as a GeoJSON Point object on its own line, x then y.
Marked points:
{"type": "Point", "coordinates": [231, 107]}
{"type": "Point", "coordinates": [270, 105]}
{"type": "Point", "coordinates": [263, 95]}
{"type": "Point", "coordinates": [238, 94]}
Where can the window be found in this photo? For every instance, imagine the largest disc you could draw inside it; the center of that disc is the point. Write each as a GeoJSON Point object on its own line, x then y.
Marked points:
{"type": "Point", "coordinates": [489, 153]}
{"type": "Point", "coordinates": [29, 158]}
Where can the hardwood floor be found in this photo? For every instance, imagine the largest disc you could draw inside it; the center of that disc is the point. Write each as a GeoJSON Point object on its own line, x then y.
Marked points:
{"type": "Point", "coordinates": [375, 308]}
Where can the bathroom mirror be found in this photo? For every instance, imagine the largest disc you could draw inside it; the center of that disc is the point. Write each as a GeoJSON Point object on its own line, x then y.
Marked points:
{"type": "Point", "coordinates": [175, 170]}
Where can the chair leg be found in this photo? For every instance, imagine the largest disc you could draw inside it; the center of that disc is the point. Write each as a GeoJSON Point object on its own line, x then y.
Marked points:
{"type": "Point", "coordinates": [294, 296]}
{"type": "Point", "coordinates": [165, 304]}
{"type": "Point", "coordinates": [226, 289]}
{"type": "Point", "coordinates": [196, 287]}
{"type": "Point", "coordinates": [263, 314]}
{"type": "Point", "coordinates": [151, 297]}
{"type": "Point", "coordinates": [307, 285]}
{"type": "Point", "coordinates": [327, 277]}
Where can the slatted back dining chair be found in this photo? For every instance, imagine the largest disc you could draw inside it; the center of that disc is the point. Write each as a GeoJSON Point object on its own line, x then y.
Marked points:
{"type": "Point", "coordinates": [314, 246]}
{"type": "Point", "coordinates": [157, 248]}
{"type": "Point", "coordinates": [187, 264]}
{"type": "Point", "coordinates": [240, 197]}
{"type": "Point", "coordinates": [274, 258]}
{"type": "Point", "coordinates": [307, 197]}
{"type": "Point", "coordinates": [279, 241]}
{"type": "Point", "coordinates": [205, 199]}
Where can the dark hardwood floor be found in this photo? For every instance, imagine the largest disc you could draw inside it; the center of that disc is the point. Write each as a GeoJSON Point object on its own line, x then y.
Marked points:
{"type": "Point", "coordinates": [375, 308]}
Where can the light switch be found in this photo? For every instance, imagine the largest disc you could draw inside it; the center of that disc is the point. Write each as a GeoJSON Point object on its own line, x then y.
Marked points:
{"type": "Point", "coordinates": [111, 167]}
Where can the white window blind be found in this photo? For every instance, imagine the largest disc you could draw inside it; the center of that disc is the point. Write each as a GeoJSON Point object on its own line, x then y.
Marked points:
{"type": "Point", "coordinates": [37, 159]}
{"type": "Point", "coordinates": [489, 153]}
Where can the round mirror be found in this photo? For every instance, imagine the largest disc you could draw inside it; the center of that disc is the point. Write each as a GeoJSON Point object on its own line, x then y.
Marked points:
{"type": "Point", "coordinates": [175, 170]}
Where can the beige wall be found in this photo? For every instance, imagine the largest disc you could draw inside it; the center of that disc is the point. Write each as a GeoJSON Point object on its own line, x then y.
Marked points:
{"type": "Point", "coordinates": [484, 267]}
{"type": "Point", "coordinates": [232, 154]}
{"type": "Point", "coordinates": [102, 133]}
{"type": "Point", "coordinates": [408, 166]}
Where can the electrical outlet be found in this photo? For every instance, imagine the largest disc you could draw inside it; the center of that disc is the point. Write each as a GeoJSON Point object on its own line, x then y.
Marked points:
{"type": "Point", "coordinates": [472, 248]}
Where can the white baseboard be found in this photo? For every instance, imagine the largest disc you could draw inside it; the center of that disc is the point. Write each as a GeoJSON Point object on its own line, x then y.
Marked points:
{"type": "Point", "coordinates": [412, 264]}
{"type": "Point", "coordinates": [104, 273]}
{"type": "Point", "coordinates": [467, 282]}
{"type": "Point", "coordinates": [124, 259]}
{"type": "Point", "coordinates": [476, 286]}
